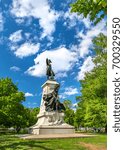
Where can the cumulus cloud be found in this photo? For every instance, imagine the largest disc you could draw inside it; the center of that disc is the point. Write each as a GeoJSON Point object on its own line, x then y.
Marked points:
{"type": "Point", "coordinates": [70, 91]}
{"type": "Point", "coordinates": [72, 19]}
{"type": "Point", "coordinates": [16, 36]}
{"type": "Point", "coordinates": [87, 66]}
{"type": "Point", "coordinates": [61, 74]}
{"type": "Point", "coordinates": [19, 20]}
{"type": "Point", "coordinates": [1, 22]}
{"type": "Point", "coordinates": [37, 9]}
{"type": "Point", "coordinates": [86, 39]}
{"type": "Point", "coordinates": [62, 96]}
{"type": "Point", "coordinates": [62, 61]}
{"type": "Point", "coordinates": [26, 49]}
{"type": "Point", "coordinates": [87, 22]}
{"type": "Point", "coordinates": [15, 68]}
{"type": "Point", "coordinates": [28, 94]}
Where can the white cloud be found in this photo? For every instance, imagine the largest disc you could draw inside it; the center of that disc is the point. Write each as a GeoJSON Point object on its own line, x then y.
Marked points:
{"type": "Point", "coordinates": [62, 61]}
{"type": "Point", "coordinates": [87, 22]}
{"type": "Point", "coordinates": [19, 20]}
{"type": "Point", "coordinates": [68, 2]}
{"type": "Point", "coordinates": [26, 49]}
{"type": "Point", "coordinates": [71, 18]}
{"type": "Point", "coordinates": [86, 39]}
{"type": "Point", "coordinates": [62, 82]}
{"type": "Point", "coordinates": [37, 9]}
{"type": "Point", "coordinates": [87, 66]}
{"type": "Point", "coordinates": [27, 35]}
{"type": "Point", "coordinates": [1, 22]}
{"type": "Point", "coordinates": [62, 96]}
{"type": "Point", "coordinates": [16, 36]}
{"type": "Point", "coordinates": [15, 68]}
{"type": "Point", "coordinates": [28, 94]}
{"type": "Point", "coordinates": [70, 91]}
{"type": "Point", "coordinates": [61, 75]}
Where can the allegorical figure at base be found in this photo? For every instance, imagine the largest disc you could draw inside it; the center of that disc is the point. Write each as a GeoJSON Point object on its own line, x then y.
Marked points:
{"type": "Point", "coordinates": [52, 102]}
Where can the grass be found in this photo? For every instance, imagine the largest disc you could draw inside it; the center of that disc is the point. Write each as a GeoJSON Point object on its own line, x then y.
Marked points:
{"type": "Point", "coordinates": [11, 142]}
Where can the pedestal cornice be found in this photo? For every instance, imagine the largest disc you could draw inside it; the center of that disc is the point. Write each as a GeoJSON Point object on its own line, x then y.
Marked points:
{"type": "Point", "coordinates": [48, 82]}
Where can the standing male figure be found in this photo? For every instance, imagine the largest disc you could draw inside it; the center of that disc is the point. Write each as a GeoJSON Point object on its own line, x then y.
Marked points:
{"type": "Point", "coordinates": [49, 72]}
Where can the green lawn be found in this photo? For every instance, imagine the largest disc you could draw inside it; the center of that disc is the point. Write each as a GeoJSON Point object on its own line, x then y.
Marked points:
{"type": "Point", "coordinates": [11, 142]}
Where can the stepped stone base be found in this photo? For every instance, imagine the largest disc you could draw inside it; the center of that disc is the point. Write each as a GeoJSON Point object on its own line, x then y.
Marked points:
{"type": "Point", "coordinates": [54, 136]}
{"type": "Point", "coordinates": [51, 123]}
{"type": "Point", "coordinates": [62, 129]}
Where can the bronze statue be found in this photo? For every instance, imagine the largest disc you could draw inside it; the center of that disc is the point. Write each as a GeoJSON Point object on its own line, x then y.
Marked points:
{"type": "Point", "coordinates": [49, 72]}
{"type": "Point", "coordinates": [52, 102]}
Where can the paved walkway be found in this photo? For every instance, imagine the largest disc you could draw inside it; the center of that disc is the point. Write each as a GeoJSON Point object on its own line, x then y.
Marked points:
{"type": "Point", "coordinates": [55, 136]}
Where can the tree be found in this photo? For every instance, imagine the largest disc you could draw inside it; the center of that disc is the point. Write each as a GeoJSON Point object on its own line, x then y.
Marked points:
{"type": "Point", "coordinates": [12, 112]}
{"type": "Point", "coordinates": [67, 104]}
{"type": "Point", "coordinates": [32, 115]}
{"type": "Point", "coordinates": [95, 9]}
{"type": "Point", "coordinates": [93, 100]}
{"type": "Point", "coordinates": [20, 117]}
{"type": "Point", "coordinates": [79, 118]}
{"type": "Point", "coordinates": [69, 112]}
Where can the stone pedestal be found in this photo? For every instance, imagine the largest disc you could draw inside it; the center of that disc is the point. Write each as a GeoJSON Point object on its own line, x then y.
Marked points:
{"type": "Point", "coordinates": [50, 122]}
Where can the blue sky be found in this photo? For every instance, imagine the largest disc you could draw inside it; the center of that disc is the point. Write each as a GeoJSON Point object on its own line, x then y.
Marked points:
{"type": "Point", "coordinates": [31, 31]}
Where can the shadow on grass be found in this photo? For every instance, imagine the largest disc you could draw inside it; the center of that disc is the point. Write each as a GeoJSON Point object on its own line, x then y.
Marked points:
{"type": "Point", "coordinates": [12, 142]}
{"type": "Point", "coordinates": [23, 145]}
{"type": "Point", "coordinates": [4, 138]}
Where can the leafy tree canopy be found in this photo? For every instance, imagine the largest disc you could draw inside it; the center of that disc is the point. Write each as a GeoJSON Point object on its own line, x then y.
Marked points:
{"type": "Point", "coordinates": [69, 112]}
{"type": "Point", "coordinates": [95, 9]}
{"type": "Point", "coordinates": [93, 100]}
{"type": "Point", "coordinates": [12, 112]}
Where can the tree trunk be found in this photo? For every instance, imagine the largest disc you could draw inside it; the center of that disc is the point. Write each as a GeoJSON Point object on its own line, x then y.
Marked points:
{"type": "Point", "coordinates": [18, 129]}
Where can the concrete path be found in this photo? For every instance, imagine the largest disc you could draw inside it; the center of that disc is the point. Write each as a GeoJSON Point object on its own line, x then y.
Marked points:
{"type": "Point", "coordinates": [55, 136]}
